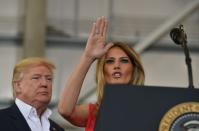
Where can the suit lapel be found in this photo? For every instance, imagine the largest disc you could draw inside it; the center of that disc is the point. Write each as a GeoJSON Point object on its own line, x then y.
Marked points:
{"type": "Point", "coordinates": [17, 119]}
{"type": "Point", "coordinates": [53, 128]}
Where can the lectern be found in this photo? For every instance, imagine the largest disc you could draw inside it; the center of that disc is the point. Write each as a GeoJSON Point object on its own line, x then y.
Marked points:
{"type": "Point", "coordinates": [148, 108]}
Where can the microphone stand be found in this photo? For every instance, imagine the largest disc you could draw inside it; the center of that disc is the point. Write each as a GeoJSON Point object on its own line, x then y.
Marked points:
{"type": "Point", "coordinates": [187, 57]}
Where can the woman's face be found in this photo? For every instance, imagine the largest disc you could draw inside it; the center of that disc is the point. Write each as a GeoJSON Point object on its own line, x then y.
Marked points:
{"type": "Point", "coordinates": [118, 67]}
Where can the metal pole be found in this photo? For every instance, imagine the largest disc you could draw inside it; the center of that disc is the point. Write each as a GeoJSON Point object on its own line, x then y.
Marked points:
{"type": "Point", "coordinates": [111, 19]}
{"type": "Point", "coordinates": [165, 28]}
{"type": "Point", "coordinates": [76, 18]}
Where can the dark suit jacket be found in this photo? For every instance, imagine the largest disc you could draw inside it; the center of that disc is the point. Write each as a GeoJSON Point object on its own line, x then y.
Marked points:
{"type": "Point", "coordinates": [11, 119]}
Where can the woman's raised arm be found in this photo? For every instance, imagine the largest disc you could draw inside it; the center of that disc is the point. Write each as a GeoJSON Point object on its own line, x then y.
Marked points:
{"type": "Point", "coordinates": [96, 47]}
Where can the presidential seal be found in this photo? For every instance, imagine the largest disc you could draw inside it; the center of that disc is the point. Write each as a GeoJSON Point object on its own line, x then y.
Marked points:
{"type": "Point", "coordinates": [182, 117]}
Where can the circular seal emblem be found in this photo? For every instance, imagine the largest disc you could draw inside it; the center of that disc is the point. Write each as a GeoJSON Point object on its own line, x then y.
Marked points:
{"type": "Point", "coordinates": [182, 117]}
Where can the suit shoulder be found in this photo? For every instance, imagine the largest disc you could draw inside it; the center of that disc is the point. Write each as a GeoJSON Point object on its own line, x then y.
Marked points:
{"type": "Point", "coordinates": [5, 119]}
{"type": "Point", "coordinates": [4, 111]}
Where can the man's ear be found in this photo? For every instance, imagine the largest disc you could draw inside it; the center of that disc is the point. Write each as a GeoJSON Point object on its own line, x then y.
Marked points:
{"type": "Point", "coordinates": [17, 87]}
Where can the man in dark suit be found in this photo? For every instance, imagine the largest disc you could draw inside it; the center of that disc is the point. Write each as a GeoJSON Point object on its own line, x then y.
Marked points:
{"type": "Point", "coordinates": [32, 89]}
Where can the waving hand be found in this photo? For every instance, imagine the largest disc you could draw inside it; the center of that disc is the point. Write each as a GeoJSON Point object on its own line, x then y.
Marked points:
{"type": "Point", "coordinates": [96, 44]}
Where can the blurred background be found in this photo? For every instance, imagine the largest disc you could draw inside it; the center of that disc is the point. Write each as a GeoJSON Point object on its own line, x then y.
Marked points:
{"type": "Point", "coordinates": [58, 30]}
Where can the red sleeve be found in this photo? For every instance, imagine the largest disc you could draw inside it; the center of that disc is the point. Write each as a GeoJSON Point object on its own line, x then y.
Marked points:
{"type": "Point", "coordinates": [91, 118]}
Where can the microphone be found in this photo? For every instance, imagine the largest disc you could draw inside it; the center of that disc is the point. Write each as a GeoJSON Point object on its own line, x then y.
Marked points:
{"type": "Point", "coordinates": [179, 36]}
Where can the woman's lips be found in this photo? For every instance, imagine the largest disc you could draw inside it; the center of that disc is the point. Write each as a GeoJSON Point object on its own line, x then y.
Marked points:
{"type": "Point", "coordinates": [117, 75]}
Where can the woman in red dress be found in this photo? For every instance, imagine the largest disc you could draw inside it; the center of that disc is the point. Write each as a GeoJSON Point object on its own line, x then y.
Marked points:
{"type": "Point", "coordinates": [117, 63]}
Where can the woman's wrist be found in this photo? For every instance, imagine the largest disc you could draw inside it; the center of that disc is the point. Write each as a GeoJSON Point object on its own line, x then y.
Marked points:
{"type": "Point", "coordinates": [88, 58]}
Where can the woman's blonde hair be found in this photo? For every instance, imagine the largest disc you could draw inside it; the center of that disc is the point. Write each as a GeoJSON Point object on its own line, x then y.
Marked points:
{"type": "Point", "coordinates": [138, 75]}
{"type": "Point", "coordinates": [24, 64]}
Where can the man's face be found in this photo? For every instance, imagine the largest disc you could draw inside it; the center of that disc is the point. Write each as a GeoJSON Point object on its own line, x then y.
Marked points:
{"type": "Point", "coordinates": [35, 87]}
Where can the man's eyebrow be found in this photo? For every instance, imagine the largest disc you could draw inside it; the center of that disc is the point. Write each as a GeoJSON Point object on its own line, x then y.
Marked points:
{"type": "Point", "coordinates": [42, 75]}
{"type": "Point", "coordinates": [36, 74]}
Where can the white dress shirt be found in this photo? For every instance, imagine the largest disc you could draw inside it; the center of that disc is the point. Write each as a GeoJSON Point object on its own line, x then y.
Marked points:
{"type": "Point", "coordinates": [33, 120]}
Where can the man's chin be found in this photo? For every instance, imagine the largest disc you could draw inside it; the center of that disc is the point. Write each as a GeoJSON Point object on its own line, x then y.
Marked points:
{"type": "Point", "coordinates": [44, 99]}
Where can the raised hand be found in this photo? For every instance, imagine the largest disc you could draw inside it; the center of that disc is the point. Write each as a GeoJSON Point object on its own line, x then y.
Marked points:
{"type": "Point", "coordinates": [96, 45]}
